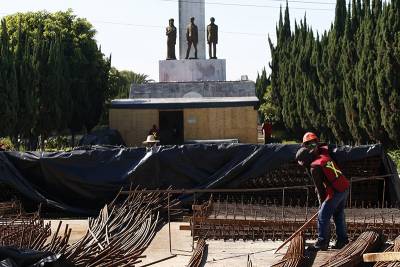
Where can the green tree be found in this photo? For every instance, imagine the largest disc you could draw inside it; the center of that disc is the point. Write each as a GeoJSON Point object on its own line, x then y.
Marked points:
{"type": "Point", "coordinates": [262, 82]}
{"type": "Point", "coordinates": [119, 86]}
{"type": "Point", "coordinates": [8, 85]}
{"type": "Point", "coordinates": [27, 109]}
{"type": "Point", "coordinates": [268, 107]}
{"type": "Point", "coordinates": [58, 57]}
{"type": "Point", "coordinates": [121, 81]}
{"type": "Point", "coordinates": [343, 83]}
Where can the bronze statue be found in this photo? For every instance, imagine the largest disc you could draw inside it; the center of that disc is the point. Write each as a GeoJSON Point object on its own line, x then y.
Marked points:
{"type": "Point", "coordinates": [171, 39]}
{"type": "Point", "coordinates": [212, 38]}
{"type": "Point", "coordinates": [192, 37]}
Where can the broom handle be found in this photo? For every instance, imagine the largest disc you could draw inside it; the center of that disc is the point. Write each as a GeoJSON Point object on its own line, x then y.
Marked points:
{"type": "Point", "coordinates": [298, 231]}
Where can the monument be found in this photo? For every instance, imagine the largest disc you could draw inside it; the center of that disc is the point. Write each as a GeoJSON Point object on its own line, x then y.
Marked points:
{"type": "Point", "coordinates": [188, 10]}
{"type": "Point", "coordinates": [193, 101]}
{"type": "Point", "coordinates": [192, 64]}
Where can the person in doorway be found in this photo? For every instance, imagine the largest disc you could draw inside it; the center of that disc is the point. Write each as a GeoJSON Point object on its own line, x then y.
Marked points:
{"type": "Point", "coordinates": [332, 190]}
{"type": "Point", "coordinates": [267, 131]}
{"type": "Point", "coordinates": [154, 131]}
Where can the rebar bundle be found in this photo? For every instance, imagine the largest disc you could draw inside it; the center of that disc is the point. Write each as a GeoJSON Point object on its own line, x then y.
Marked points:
{"type": "Point", "coordinates": [117, 237]}
{"type": "Point", "coordinates": [120, 234]}
{"type": "Point", "coordinates": [352, 253]}
{"type": "Point", "coordinates": [294, 256]}
{"type": "Point", "coordinates": [198, 253]}
{"type": "Point", "coordinates": [24, 230]}
{"type": "Point", "coordinates": [10, 207]}
{"type": "Point", "coordinates": [240, 220]}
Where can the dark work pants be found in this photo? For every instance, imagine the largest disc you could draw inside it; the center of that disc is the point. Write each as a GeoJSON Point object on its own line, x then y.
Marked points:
{"type": "Point", "coordinates": [333, 207]}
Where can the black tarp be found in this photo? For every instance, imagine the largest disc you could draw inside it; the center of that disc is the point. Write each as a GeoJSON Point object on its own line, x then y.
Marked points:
{"type": "Point", "coordinates": [82, 181]}
{"type": "Point", "coordinates": [19, 257]}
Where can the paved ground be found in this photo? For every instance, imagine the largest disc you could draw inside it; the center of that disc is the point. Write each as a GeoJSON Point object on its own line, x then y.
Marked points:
{"type": "Point", "coordinates": [219, 253]}
{"type": "Point", "coordinates": [79, 228]}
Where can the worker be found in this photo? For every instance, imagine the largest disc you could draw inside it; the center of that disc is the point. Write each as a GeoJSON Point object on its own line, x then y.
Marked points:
{"type": "Point", "coordinates": [267, 131]}
{"type": "Point", "coordinates": [332, 190]}
{"type": "Point", "coordinates": [151, 143]}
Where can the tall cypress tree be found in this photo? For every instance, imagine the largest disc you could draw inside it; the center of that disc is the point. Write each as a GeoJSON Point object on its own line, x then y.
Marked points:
{"type": "Point", "coordinates": [61, 79]}
{"type": "Point", "coordinates": [348, 60]}
{"type": "Point", "coordinates": [340, 18]}
{"type": "Point", "coordinates": [8, 85]}
{"type": "Point", "coordinates": [343, 84]}
{"type": "Point", "coordinates": [387, 69]}
{"type": "Point", "coordinates": [49, 110]}
{"type": "Point", "coordinates": [26, 94]}
{"type": "Point", "coordinates": [262, 82]}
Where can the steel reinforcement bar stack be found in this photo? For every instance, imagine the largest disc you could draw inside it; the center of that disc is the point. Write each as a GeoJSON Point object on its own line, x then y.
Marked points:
{"type": "Point", "coordinates": [198, 253]}
{"type": "Point", "coordinates": [227, 220]}
{"type": "Point", "coordinates": [118, 236]}
{"type": "Point", "coordinates": [352, 254]}
{"type": "Point", "coordinates": [121, 232]}
{"type": "Point", "coordinates": [20, 229]}
{"type": "Point", "coordinates": [294, 256]}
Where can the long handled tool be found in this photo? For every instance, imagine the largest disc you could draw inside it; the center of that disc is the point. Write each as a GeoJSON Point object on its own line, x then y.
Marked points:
{"type": "Point", "coordinates": [298, 231]}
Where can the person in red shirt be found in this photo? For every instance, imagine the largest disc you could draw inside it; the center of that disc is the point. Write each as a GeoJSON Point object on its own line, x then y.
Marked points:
{"type": "Point", "coordinates": [267, 131]}
{"type": "Point", "coordinates": [332, 189]}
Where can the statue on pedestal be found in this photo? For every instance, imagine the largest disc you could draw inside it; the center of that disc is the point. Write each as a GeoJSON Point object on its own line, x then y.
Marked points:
{"type": "Point", "coordinates": [192, 37]}
{"type": "Point", "coordinates": [212, 38]}
{"type": "Point", "coordinates": [171, 39]}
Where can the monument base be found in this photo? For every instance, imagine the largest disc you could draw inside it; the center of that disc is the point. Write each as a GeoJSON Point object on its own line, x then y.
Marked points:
{"type": "Point", "coordinates": [192, 70]}
{"type": "Point", "coordinates": [193, 89]}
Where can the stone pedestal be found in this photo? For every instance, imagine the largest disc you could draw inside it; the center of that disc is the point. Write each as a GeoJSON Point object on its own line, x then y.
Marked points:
{"type": "Point", "coordinates": [212, 89]}
{"type": "Point", "coordinates": [188, 9]}
{"type": "Point", "coordinates": [190, 70]}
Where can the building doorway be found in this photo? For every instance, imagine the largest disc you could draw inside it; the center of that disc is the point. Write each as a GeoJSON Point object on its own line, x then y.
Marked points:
{"type": "Point", "coordinates": [171, 127]}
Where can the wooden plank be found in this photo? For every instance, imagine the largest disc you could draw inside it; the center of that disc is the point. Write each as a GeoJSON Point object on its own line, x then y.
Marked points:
{"type": "Point", "coordinates": [185, 227]}
{"type": "Point", "coordinates": [321, 257]}
{"type": "Point", "coordinates": [383, 256]}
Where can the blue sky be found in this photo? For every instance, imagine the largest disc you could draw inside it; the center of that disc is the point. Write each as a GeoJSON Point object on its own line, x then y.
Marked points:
{"type": "Point", "coordinates": [133, 31]}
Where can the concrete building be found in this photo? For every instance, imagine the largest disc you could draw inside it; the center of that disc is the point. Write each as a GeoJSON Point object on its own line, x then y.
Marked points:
{"type": "Point", "coordinates": [193, 102]}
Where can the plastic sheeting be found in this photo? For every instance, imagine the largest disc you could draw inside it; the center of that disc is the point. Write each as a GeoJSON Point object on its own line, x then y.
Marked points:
{"type": "Point", "coordinates": [17, 257]}
{"type": "Point", "coordinates": [82, 181]}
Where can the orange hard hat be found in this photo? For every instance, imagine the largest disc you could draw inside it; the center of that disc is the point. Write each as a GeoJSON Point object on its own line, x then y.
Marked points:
{"type": "Point", "coordinates": [310, 137]}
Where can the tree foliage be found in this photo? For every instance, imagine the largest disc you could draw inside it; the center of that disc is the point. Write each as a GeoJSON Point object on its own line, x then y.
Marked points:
{"type": "Point", "coordinates": [343, 84]}
{"type": "Point", "coordinates": [262, 83]}
{"type": "Point", "coordinates": [8, 85]}
{"type": "Point", "coordinates": [53, 76]}
{"type": "Point", "coordinates": [121, 81]}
